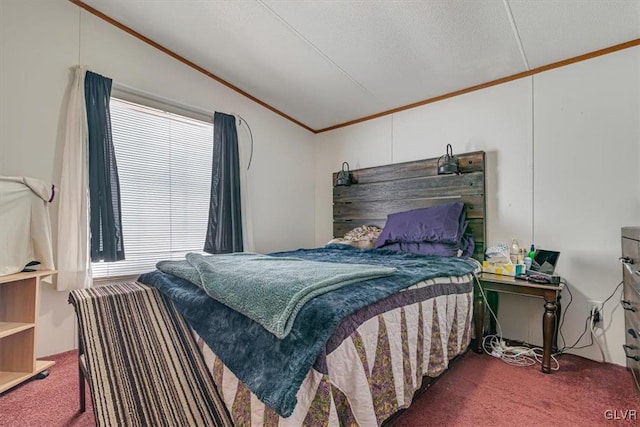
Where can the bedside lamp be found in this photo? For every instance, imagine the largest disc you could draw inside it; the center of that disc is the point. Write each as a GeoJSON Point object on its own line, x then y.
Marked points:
{"type": "Point", "coordinates": [448, 164]}
{"type": "Point", "coordinates": [344, 176]}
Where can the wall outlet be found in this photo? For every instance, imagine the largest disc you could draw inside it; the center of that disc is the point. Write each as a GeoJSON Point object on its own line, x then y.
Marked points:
{"type": "Point", "coordinates": [597, 320]}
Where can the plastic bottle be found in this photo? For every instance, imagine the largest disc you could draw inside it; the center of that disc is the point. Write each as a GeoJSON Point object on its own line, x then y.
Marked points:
{"type": "Point", "coordinates": [528, 260]}
{"type": "Point", "coordinates": [514, 251]}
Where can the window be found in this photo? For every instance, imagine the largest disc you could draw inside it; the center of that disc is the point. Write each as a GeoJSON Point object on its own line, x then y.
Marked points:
{"type": "Point", "coordinates": [164, 166]}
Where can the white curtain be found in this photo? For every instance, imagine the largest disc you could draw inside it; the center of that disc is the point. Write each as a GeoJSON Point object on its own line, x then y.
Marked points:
{"type": "Point", "coordinates": [244, 151]}
{"type": "Point", "coordinates": [74, 264]}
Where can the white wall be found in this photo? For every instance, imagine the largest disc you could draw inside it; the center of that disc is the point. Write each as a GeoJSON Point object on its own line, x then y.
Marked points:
{"type": "Point", "coordinates": [586, 179]}
{"type": "Point", "coordinates": [562, 158]}
{"type": "Point", "coordinates": [40, 40]}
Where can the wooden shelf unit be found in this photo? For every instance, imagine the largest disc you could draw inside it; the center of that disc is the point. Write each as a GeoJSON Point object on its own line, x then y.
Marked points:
{"type": "Point", "coordinates": [18, 311]}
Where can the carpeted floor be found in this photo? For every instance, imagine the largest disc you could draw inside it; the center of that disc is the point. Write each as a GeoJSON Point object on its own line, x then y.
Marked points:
{"type": "Point", "coordinates": [477, 391]}
{"type": "Point", "coordinates": [50, 402]}
{"type": "Point", "coordinates": [484, 391]}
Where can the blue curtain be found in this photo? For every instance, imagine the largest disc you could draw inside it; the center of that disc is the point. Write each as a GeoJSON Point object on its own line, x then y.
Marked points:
{"type": "Point", "coordinates": [104, 186]}
{"type": "Point", "coordinates": [224, 231]}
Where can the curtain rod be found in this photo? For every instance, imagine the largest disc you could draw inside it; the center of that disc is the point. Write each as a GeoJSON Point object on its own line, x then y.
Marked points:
{"type": "Point", "coordinates": [159, 99]}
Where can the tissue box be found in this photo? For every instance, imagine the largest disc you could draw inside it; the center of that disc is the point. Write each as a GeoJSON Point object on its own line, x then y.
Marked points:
{"type": "Point", "coordinates": [504, 269]}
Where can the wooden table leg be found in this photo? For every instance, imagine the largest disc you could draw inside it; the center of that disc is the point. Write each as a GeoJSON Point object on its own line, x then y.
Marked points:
{"type": "Point", "coordinates": [478, 318]}
{"type": "Point", "coordinates": [556, 329]}
{"type": "Point", "coordinates": [548, 326]}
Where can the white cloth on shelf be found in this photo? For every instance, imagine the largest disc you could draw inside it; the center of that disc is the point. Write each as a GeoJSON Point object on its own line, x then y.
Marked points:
{"type": "Point", "coordinates": [25, 226]}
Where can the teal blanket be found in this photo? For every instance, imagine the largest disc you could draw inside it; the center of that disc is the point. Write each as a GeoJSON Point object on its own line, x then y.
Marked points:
{"type": "Point", "coordinates": [269, 290]}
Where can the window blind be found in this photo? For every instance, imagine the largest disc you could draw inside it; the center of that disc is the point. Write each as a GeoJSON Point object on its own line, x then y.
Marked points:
{"type": "Point", "coordinates": [164, 164]}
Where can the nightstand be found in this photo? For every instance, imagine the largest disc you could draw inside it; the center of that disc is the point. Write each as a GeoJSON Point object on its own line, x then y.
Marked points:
{"type": "Point", "coordinates": [512, 285]}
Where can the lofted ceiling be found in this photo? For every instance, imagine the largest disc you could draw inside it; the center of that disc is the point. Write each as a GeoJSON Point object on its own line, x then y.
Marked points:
{"type": "Point", "coordinates": [325, 62]}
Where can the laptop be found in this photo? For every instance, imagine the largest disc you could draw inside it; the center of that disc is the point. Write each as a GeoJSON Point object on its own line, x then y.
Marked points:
{"type": "Point", "coordinates": [543, 263]}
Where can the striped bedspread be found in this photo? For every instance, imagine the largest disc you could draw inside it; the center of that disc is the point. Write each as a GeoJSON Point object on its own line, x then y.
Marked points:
{"type": "Point", "coordinates": [144, 366]}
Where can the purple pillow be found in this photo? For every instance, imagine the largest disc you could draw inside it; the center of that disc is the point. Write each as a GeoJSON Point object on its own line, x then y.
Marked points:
{"type": "Point", "coordinates": [441, 223]}
{"type": "Point", "coordinates": [466, 245]}
{"type": "Point", "coordinates": [424, 248]}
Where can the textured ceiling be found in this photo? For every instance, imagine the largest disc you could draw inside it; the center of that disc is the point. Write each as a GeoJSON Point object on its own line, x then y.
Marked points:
{"type": "Point", "coordinates": [329, 62]}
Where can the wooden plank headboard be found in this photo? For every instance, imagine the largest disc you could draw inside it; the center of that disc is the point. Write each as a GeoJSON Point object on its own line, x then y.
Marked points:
{"type": "Point", "coordinates": [382, 190]}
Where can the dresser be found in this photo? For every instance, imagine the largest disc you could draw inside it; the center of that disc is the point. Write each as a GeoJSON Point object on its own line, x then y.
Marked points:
{"type": "Point", "coordinates": [631, 298]}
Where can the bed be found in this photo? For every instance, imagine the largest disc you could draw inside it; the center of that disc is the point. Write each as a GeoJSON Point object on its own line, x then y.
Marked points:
{"type": "Point", "coordinates": [358, 354]}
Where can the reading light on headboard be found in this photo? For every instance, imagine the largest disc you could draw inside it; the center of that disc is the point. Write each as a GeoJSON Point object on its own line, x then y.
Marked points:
{"type": "Point", "coordinates": [344, 176]}
{"type": "Point", "coordinates": [448, 163]}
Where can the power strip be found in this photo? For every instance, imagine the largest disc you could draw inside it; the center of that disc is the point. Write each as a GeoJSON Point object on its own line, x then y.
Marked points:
{"type": "Point", "coordinates": [501, 349]}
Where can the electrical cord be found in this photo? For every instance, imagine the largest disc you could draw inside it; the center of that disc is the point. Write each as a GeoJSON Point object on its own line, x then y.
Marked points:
{"type": "Point", "coordinates": [494, 345]}
{"type": "Point", "coordinates": [573, 347]}
{"type": "Point", "coordinates": [599, 310]}
{"type": "Point", "coordinates": [250, 135]}
{"type": "Point", "coordinates": [611, 296]}
{"type": "Point", "coordinates": [566, 285]}
{"type": "Point", "coordinates": [593, 332]}
{"type": "Point", "coordinates": [589, 320]}
{"type": "Point", "coordinates": [486, 303]}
